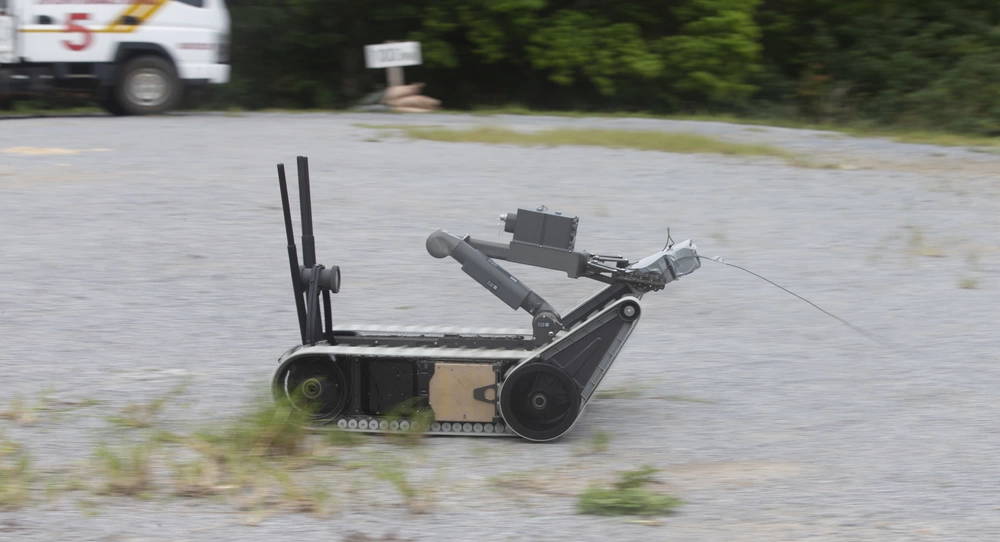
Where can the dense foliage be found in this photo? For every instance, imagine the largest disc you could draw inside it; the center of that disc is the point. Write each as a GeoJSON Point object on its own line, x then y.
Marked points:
{"type": "Point", "coordinates": [934, 62]}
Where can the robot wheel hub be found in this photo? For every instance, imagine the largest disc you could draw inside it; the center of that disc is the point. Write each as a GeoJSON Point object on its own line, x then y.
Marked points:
{"type": "Point", "coordinates": [312, 388]}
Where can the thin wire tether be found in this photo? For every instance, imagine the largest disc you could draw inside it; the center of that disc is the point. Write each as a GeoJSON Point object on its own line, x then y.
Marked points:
{"type": "Point", "coordinates": [856, 329]}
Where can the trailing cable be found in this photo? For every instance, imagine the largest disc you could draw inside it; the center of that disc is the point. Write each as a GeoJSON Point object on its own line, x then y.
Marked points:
{"type": "Point", "coordinates": [856, 329]}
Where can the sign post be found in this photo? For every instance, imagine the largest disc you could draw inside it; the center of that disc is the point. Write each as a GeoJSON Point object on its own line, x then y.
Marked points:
{"type": "Point", "coordinates": [393, 56]}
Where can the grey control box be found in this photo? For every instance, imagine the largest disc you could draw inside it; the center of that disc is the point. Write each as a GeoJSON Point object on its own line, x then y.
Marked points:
{"type": "Point", "coordinates": [543, 228]}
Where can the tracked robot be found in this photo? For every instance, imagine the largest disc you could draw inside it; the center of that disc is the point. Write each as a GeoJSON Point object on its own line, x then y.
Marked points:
{"type": "Point", "coordinates": [472, 382]}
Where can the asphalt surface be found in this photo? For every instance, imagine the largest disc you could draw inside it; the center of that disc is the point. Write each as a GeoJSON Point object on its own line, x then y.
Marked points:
{"type": "Point", "coordinates": [143, 254]}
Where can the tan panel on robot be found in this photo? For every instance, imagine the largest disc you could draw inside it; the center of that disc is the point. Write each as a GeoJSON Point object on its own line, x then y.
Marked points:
{"type": "Point", "coordinates": [451, 392]}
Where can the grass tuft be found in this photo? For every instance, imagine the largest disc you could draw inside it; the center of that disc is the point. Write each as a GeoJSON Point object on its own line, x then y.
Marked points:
{"type": "Point", "coordinates": [917, 245]}
{"type": "Point", "coordinates": [600, 442]}
{"type": "Point", "coordinates": [392, 471]}
{"type": "Point", "coordinates": [621, 392]}
{"type": "Point", "coordinates": [127, 471]}
{"type": "Point", "coordinates": [628, 496]}
{"type": "Point", "coordinates": [387, 126]}
{"type": "Point", "coordinates": [20, 412]}
{"type": "Point", "coordinates": [143, 415]}
{"type": "Point", "coordinates": [268, 430]}
{"type": "Point", "coordinates": [251, 459]}
{"type": "Point", "coordinates": [15, 475]}
{"type": "Point", "coordinates": [968, 283]}
{"type": "Point", "coordinates": [338, 437]}
{"type": "Point", "coordinates": [139, 415]}
{"type": "Point", "coordinates": [416, 415]}
{"type": "Point", "coordinates": [616, 139]}
{"type": "Point", "coordinates": [198, 478]}
{"type": "Point", "coordinates": [901, 134]}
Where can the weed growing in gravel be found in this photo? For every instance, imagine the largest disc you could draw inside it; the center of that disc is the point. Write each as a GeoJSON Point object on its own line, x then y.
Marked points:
{"type": "Point", "coordinates": [628, 496]}
{"type": "Point", "coordinates": [268, 430]}
{"type": "Point", "coordinates": [15, 475]}
{"type": "Point", "coordinates": [392, 471]}
{"type": "Point", "coordinates": [972, 262]}
{"type": "Point", "coordinates": [250, 459]}
{"type": "Point", "coordinates": [142, 415]}
{"type": "Point", "coordinates": [43, 408]}
{"type": "Point", "coordinates": [291, 496]}
{"type": "Point", "coordinates": [198, 478]}
{"type": "Point", "coordinates": [393, 126]}
{"type": "Point", "coordinates": [126, 471]}
{"type": "Point", "coordinates": [685, 399]}
{"type": "Point", "coordinates": [414, 420]}
{"type": "Point", "coordinates": [917, 244]}
{"type": "Point", "coordinates": [337, 437]}
{"type": "Point", "coordinates": [617, 139]}
{"type": "Point", "coordinates": [20, 412]}
{"type": "Point", "coordinates": [139, 415]}
{"type": "Point", "coordinates": [968, 283]}
{"type": "Point", "coordinates": [600, 441]}
{"type": "Point", "coordinates": [621, 392]}
{"type": "Point", "coordinates": [855, 129]}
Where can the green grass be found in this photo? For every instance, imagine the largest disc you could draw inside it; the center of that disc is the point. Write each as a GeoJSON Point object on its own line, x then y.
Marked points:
{"type": "Point", "coordinates": [600, 441]}
{"type": "Point", "coordinates": [15, 475]}
{"type": "Point", "coordinates": [918, 245]}
{"type": "Point", "coordinates": [266, 430]}
{"type": "Point", "coordinates": [930, 138]}
{"type": "Point", "coordinates": [633, 391]}
{"type": "Point", "coordinates": [968, 283]}
{"type": "Point", "coordinates": [21, 411]}
{"type": "Point", "coordinates": [900, 134]}
{"type": "Point", "coordinates": [143, 415]}
{"type": "Point", "coordinates": [646, 140]}
{"type": "Point", "coordinates": [393, 470]}
{"type": "Point", "coordinates": [126, 471]}
{"type": "Point", "coordinates": [46, 112]}
{"type": "Point", "coordinates": [627, 497]}
{"type": "Point", "coordinates": [392, 126]}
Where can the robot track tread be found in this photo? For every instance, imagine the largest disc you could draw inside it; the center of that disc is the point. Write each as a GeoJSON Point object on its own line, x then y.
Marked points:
{"type": "Point", "coordinates": [383, 425]}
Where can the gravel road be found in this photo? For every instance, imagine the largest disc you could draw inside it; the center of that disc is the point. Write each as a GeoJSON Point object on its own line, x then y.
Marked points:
{"type": "Point", "coordinates": [142, 254]}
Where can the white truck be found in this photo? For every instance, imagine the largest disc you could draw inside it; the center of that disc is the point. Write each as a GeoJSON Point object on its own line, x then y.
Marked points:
{"type": "Point", "coordinates": [136, 56]}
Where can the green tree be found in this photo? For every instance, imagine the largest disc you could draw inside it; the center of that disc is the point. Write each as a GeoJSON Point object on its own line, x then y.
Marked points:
{"type": "Point", "coordinates": [715, 53]}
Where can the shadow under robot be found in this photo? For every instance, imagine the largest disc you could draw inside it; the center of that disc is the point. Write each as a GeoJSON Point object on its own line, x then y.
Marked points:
{"type": "Point", "coordinates": [474, 382]}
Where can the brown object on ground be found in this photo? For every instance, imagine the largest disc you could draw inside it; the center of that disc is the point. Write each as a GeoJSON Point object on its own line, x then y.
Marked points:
{"type": "Point", "coordinates": [399, 91]}
{"type": "Point", "coordinates": [421, 102]}
{"type": "Point", "coordinates": [407, 99]}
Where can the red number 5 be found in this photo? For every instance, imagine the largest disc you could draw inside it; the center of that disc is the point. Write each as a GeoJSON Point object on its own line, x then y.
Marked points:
{"type": "Point", "coordinates": [72, 26]}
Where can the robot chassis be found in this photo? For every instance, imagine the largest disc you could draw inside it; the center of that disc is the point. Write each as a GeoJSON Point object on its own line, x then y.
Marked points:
{"type": "Point", "coordinates": [473, 382]}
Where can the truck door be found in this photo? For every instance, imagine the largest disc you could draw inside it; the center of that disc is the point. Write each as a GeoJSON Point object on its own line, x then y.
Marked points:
{"type": "Point", "coordinates": [75, 30]}
{"type": "Point", "coordinates": [8, 34]}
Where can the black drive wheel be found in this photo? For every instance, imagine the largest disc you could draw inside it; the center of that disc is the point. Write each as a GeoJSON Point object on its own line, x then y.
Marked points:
{"type": "Point", "coordinates": [315, 385]}
{"type": "Point", "coordinates": [539, 401]}
{"type": "Point", "coordinates": [148, 85]}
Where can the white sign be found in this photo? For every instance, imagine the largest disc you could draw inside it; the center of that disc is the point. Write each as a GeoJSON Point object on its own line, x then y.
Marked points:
{"type": "Point", "coordinates": [388, 55]}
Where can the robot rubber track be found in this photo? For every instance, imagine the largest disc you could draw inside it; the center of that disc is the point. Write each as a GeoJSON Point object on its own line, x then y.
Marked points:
{"type": "Point", "coordinates": [454, 381]}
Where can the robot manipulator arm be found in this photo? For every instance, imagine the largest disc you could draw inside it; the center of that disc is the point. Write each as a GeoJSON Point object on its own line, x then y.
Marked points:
{"type": "Point", "coordinates": [498, 281]}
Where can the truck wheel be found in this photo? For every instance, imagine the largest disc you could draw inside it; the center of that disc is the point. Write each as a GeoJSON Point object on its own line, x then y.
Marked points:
{"type": "Point", "coordinates": [148, 85]}
{"type": "Point", "coordinates": [109, 102]}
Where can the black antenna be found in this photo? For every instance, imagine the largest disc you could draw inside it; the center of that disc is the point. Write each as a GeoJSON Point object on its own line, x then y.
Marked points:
{"type": "Point", "coordinates": [293, 257]}
{"type": "Point", "coordinates": [305, 201]}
